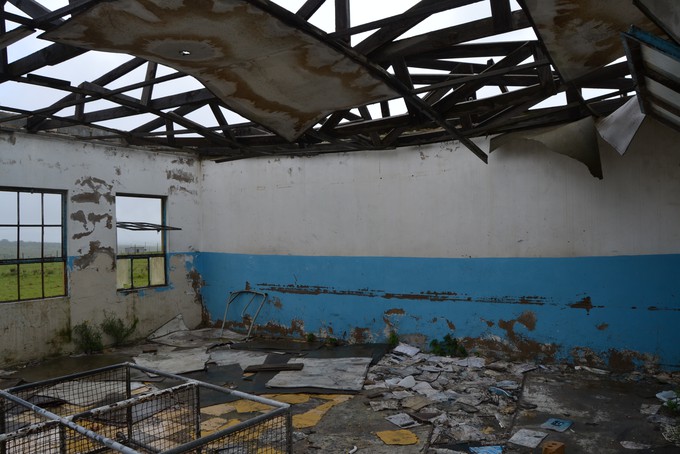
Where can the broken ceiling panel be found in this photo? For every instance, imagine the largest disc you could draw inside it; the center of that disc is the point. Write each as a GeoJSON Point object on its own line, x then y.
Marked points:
{"type": "Point", "coordinates": [264, 69]}
{"type": "Point", "coordinates": [665, 14]}
{"type": "Point", "coordinates": [582, 36]}
{"type": "Point", "coordinates": [577, 140]}
{"type": "Point", "coordinates": [619, 128]}
{"type": "Point", "coordinates": [655, 67]}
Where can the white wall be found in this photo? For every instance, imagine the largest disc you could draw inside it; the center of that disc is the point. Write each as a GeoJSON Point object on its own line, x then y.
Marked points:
{"type": "Point", "coordinates": [92, 175]}
{"type": "Point", "coordinates": [441, 201]}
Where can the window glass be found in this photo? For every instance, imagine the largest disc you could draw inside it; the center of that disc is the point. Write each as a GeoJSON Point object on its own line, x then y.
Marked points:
{"type": "Point", "coordinates": [8, 202]}
{"type": "Point", "coordinates": [141, 238]}
{"type": "Point", "coordinates": [32, 256]}
{"type": "Point", "coordinates": [30, 208]}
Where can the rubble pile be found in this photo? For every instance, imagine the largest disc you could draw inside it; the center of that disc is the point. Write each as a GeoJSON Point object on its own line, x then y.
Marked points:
{"type": "Point", "coordinates": [472, 406]}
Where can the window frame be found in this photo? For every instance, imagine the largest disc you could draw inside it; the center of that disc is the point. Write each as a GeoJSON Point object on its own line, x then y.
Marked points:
{"type": "Point", "coordinates": [18, 261]}
{"type": "Point", "coordinates": [144, 256]}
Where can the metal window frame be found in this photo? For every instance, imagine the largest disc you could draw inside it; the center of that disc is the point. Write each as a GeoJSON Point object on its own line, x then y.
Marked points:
{"type": "Point", "coordinates": [42, 260]}
{"type": "Point", "coordinates": [147, 257]}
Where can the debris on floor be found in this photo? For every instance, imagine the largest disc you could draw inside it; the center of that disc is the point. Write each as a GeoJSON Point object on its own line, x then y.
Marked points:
{"type": "Point", "coordinates": [408, 401]}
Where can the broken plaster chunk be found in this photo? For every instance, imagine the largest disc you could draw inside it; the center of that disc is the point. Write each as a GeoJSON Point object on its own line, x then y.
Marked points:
{"type": "Point", "coordinates": [634, 445]}
{"type": "Point", "coordinates": [406, 349]}
{"type": "Point", "coordinates": [407, 382]}
{"type": "Point", "coordinates": [527, 438]}
{"type": "Point", "coordinates": [665, 396]}
{"type": "Point", "coordinates": [649, 409]}
{"type": "Point", "coordinates": [473, 362]}
{"type": "Point", "coordinates": [423, 387]}
{"type": "Point", "coordinates": [402, 420]}
{"type": "Point", "coordinates": [384, 405]}
{"type": "Point", "coordinates": [508, 385]}
{"type": "Point", "coordinates": [401, 437]}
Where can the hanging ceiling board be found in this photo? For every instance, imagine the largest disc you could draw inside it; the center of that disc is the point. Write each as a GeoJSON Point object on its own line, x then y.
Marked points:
{"type": "Point", "coordinates": [273, 73]}
{"type": "Point", "coordinates": [655, 67]}
{"type": "Point", "coordinates": [582, 36]}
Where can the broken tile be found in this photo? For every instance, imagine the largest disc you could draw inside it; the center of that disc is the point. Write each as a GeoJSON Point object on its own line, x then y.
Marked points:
{"type": "Point", "coordinates": [527, 438]}
{"type": "Point", "coordinates": [402, 420]}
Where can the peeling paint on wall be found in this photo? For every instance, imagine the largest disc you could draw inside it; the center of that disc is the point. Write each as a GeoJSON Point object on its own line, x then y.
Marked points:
{"type": "Point", "coordinates": [87, 259]}
{"type": "Point", "coordinates": [98, 189]}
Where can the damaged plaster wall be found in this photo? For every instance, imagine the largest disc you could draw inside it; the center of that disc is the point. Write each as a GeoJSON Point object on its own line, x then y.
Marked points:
{"type": "Point", "coordinates": [530, 253]}
{"type": "Point", "coordinates": [92, 175]}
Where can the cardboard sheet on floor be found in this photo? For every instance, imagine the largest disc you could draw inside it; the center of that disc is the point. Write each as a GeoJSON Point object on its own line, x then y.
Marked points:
{"type": "Point", "coordinates": [224, 357]}
{"type": "Point", "coordinates": [175, 361]}
{"type": "Point", "coordinates": [398, 437]}
{"type": "Point", "coordinates": [344, 374]}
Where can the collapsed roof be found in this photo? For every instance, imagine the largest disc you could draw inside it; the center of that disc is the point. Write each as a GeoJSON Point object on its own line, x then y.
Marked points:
{"type": "Point", "coordinates": [233, 79]}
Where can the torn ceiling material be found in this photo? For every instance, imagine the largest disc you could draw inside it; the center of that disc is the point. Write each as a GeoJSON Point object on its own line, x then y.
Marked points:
{"type": "Point", "coordinates": [405, 78]}
{"type": "Point", "coordinates": [583, 36]}
{"type": "Point", "coordinates": [266, 70]}
{"type": "Point", "coordinates": [655, 67]}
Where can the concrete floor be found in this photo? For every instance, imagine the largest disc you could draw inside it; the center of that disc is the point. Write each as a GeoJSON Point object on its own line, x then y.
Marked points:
{"type": "Point", "coordinates": [609, 412]}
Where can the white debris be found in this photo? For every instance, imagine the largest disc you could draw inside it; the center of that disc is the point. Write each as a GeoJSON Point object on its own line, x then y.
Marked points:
{"type": "Point", "coordinates": [406, 349]}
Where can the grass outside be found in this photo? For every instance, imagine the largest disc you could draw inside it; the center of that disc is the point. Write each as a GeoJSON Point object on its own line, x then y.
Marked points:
{"type": "Point", "coordinates": [26, 281]}
{"type": "Point", "coordinates": [140, 272]}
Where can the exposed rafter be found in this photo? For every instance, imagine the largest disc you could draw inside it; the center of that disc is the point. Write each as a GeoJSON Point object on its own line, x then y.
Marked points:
{"type": "Point", "coordinates": [447, 85]}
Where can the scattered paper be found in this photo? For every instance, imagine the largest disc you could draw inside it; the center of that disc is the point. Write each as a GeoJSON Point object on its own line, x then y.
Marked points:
{"type": "Point", "coordinates": [487, 450]}
{"type": "Point", "coordinates": [558, 425]}
{"type": "Point", "coordinates": [403, 420]}
{"type": "Point", "coordinates": [528, 438]}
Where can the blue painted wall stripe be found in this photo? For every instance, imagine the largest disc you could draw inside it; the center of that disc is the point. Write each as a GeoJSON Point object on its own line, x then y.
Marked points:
{"type": "Point", "coordinates": [622, 303]}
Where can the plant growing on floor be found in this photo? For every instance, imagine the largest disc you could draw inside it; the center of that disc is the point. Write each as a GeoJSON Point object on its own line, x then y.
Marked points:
{"type": "Point", "coordinates": [392, 339]}
{"type": "Point", "coordinates": [311, 337]}
{"type": "Point", "coordinates": [449, 346]}
{"type": "Point", "coordinates": [331, 342]}
{"type": "Point", "coordinates": [117, 329]}
{"type": "Point", "coordinates": [87, 338]}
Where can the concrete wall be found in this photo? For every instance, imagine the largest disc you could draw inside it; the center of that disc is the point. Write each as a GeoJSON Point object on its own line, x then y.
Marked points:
{"type": "Point", "coordinates": [92, 175]}
{"type": "Point", "coordinates": [529, 255]}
